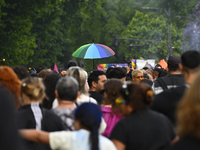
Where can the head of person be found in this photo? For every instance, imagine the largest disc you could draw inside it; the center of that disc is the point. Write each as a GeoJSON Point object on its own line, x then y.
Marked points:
{"type": "Point", "coordinates": [173, 64]}
{"type": "Point", "coordinates": [40, 68]}
{"type": "Point", "coordinates": [158, 66]}
{"type": "Point", "coordinates": [67, 89]}
{"type": "Point", "coordinates": [118, 73]}
{"type": "Point", "coordinates": [137, 75]}
{"type": "Point", "coordinates": [96, 80]}
{"type": "Point", "coordinates": [32, 90]}
{"type": "Point", "coordinates": [188, 111]}
{"type": "Point", "coordinates": [147, 82]}
{"type": "Point", "coordinates": [44, 73]}
{"type": "Point", "coordinates": [71, 64]}
{"type": "Point", "coordinates": [10, 82]}
{"type": "Point", "coordinates": [108, 72]}
{"type": "Point", "coordinates": [162, 73]}
{"type": "Point", "coordinates": [145, 68]}
{"type": "Point", "coordinates": [80, 75]}
{"type": "Point", "coordinates": [150, 71]}
{"type": "Point", "coordinates": [190, 62]}
{"type": "Point", "coordinates": [50, 85]}
{"type": "Point", "coordinates": [156, 72]}
{"type": "Point", "coordinates": [134, 97]}
{"type": "Point", "coordinates": [111, 93]}
{"type": "Point", "coordinates": [21, 72]}
{"type": "Point", "coordinates": [88, 116]}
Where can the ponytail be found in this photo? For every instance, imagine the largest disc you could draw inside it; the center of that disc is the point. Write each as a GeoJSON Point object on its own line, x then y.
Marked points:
{"type": "Point", "coordinates": [89, 116]}
{"type": "Point", "coordinates": [94, 138]}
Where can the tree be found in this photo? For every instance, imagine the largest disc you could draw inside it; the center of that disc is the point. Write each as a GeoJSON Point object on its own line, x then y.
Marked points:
{"type": "Point", "coordinates": [147, 27]}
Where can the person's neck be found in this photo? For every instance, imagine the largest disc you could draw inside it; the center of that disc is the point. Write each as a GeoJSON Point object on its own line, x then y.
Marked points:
{"type": "Point", "coordinates": [66, 104]}
{"type": "Point", "coordinates": [92, 89]}
{"type": "Point", "coordinates": [188, 78]}
{"type": "Point", "coordinates": [175, 72]}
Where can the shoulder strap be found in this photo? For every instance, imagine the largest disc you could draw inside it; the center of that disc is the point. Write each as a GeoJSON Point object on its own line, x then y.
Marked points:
{"type": "Point", "coordinates": [162, 84]}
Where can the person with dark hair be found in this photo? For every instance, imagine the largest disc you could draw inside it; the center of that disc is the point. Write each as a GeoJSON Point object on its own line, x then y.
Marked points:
{"type": "Point", "coordinates": [145, 68]}
{"type": "Point", "coordinates": [111, 112]}
{"type": "Point", "coordinates": [66, 93]}
{"type": "Point", "coordinates": [156, 72]}
{"type": "Point", "coordinates": [166, 102]}
{"type": "Point", "coordinates": [162, 73]}
{"type": "Point", "coordinates": [40, 68]}
{"type": "Point", "coordinates": [173, 79]}
{"type": "Point", "coordinates": [158, 66]}
{"type": "Point", "coordinates": [146, 82]}
{"type": "Point", "coordinates": [108, 72]}
{"type": "Point", "coordinates": [118, 73]}
{"type": "Point", "coordinates": [50, 85]}
{"type": "Point", "coordinates": [21, 72]}
{"type": "Point", "coordinates": [31, 115]}
{"type": "Point", "coordinates": [86, 136]}
{"type": "Point", "coordinates": [96, 81]}
{"type": "Point", "coordinates": [70, 64]}
{"type": "Point", "coordinates": [141, 129]}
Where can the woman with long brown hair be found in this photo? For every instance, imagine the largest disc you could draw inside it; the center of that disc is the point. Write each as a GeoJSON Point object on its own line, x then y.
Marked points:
{"type": "Point", "coordinates": [111, 112]}
{"type": "Point", "coordinates": [188, 118]}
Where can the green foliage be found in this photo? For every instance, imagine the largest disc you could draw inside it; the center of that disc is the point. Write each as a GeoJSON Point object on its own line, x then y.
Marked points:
{"type": "Point", "coordinates": [145, 27]}
{"type": "Point", "coordinates": [62, 26]}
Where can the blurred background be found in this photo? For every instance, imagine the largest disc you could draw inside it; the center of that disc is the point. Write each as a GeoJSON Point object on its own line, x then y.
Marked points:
{"type": "Point", "coordinates": [42, 32]}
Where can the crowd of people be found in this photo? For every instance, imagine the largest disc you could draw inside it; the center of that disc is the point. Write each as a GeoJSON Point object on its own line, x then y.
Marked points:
{"type": "Point", "coordinates": [117, 109]}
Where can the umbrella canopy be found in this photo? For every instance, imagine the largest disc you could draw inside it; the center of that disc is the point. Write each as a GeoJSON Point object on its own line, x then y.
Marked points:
{"type": "Point", "coordinates": [93, 51]}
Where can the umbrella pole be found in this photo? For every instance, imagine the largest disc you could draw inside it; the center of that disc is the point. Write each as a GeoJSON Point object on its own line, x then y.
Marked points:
{"type": "Point", "coordinates": [93, 64]}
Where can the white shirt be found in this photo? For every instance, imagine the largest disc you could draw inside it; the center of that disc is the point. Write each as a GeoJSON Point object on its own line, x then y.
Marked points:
{"type": "Point", "coordinates": [76, 140]}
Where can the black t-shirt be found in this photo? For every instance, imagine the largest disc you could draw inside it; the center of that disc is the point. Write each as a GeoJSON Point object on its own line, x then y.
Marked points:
{"type": "Point", "coordinates": [167, 101]}
{"type": "Point", "coordinates": [144, 130]}
{"type": "Point", "coordinates": [98, 97]}
{"type": "Point", "coordinates": [8, 127]}
{"type": "Point", "coordinates": [50, 122]}
{"type": "Point", "coordinates": [187, 143]}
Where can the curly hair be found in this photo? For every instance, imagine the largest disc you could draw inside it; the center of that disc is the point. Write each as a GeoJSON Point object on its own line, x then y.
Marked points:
{"type": "Point", "coordinates": [112, 90]}
{"type": "Point", "coordinates": [188, 111]}
{"type": "Point", "coordinates": [10, 81]}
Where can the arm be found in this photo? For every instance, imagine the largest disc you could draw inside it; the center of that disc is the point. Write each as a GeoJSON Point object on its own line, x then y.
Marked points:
{"type": "Point", "coordinates": [119, 145]}
{"type": "Point", "coordinates": [35, 135]}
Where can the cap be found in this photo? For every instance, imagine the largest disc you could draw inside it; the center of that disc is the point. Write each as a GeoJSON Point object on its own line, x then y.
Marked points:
{"type": "Point", "coordinates": [173, 60]}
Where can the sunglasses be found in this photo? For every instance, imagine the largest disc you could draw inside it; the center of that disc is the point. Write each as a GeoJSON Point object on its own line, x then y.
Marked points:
{"type": "Point", "coordinates": [139, 77]}
{"type": "Point", "coordinates": [119, 101]}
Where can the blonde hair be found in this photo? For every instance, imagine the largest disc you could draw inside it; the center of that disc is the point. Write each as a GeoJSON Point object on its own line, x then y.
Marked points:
{"type": "Point", "coordinates": [188, 111]}
{"type": "Point", "coordinates": [81, 76]}
{"type": "Point", "coordinates": [33, 87]}
{"type": "Point", "coordinates": [134, 72]}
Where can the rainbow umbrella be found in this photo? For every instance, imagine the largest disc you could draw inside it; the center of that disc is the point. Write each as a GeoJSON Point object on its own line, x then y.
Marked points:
{"type": "Point", "coordinates": [93, 51]}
